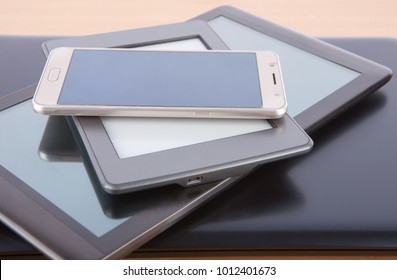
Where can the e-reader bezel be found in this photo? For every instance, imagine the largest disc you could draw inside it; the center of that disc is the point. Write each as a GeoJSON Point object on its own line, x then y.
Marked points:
{"type": "Point", "coordinates": [372, 77]}
{"type": "Point", "coordinates": [234, 156]}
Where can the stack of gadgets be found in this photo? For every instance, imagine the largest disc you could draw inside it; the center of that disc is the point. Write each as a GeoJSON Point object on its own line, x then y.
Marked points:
{"type": "Point", "coordinates": [184, 138]}
{"type": "Point", "coordinates": [189, 94]}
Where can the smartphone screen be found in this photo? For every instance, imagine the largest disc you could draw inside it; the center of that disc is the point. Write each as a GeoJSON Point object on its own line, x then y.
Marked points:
{"type": "Point", "coordinates": [162, 79]}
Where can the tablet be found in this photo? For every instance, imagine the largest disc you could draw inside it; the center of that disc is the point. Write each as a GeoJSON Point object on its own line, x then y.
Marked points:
{"type": "Point", "coordinates": [320, 80]}
{"type": "Point", "coordinates": [132, 154]}
{"type": "Point", "coordinates": [52, 200]}
{"type": "Point", "coordinates": [55, 204]}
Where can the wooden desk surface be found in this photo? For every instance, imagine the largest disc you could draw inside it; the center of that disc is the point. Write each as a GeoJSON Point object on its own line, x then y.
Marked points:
{"type": "Point", "coordinates": [339, 18]}
{"type": "Point", "coordinates": [313, 17]}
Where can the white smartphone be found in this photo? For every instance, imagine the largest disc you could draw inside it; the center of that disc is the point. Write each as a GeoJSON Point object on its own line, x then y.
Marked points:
{"type": "Point", "coordinates": [142, 83]}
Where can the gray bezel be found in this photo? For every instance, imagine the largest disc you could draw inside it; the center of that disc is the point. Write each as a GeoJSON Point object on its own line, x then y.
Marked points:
{"type": "Point", "coordinates": [230, 156]}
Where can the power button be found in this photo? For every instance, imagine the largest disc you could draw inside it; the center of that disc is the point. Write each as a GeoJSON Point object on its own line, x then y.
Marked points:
{"type": "Point", "coordinates": [54, 74]}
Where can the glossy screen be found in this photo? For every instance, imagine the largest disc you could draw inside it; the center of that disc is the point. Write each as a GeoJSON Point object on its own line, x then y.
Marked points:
{"type": "Point", "coordinates": [162, 79]}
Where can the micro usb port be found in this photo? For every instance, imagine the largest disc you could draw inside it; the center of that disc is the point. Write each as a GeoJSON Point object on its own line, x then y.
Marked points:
{"type": "Point", "coordinates": [194, 180]}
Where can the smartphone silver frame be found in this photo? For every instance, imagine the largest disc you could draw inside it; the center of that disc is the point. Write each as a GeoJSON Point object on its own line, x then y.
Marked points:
{"type": "Point", "coordinates": [45, 100]}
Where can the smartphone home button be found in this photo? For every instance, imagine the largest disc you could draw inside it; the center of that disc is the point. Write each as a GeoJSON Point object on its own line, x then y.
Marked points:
{"type": "Point", "coordinates": [54, 74]}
